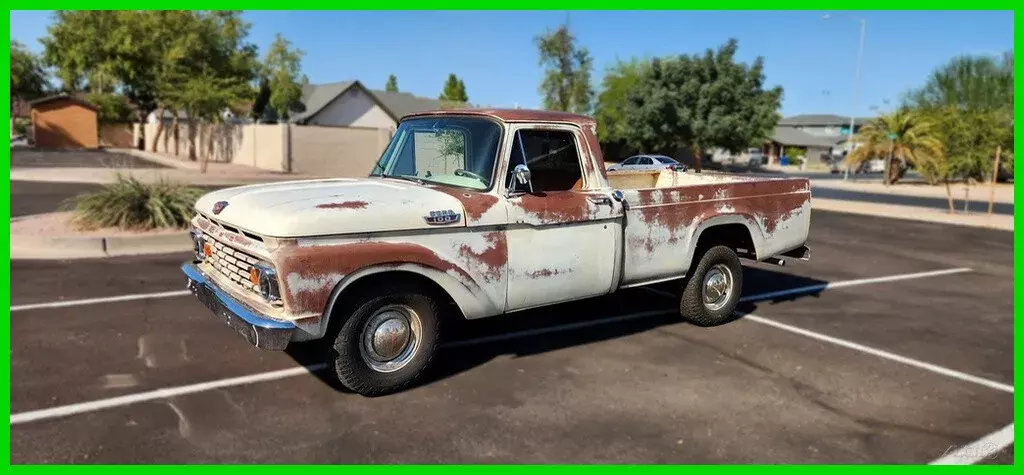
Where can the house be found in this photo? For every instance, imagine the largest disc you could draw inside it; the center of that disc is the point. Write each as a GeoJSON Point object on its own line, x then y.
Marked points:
{"type": "Point", "coordinates": [64, 121]}
{"type": "Point", "coordinates": [818, 134]}
{"type": "Point", "coordinates": [831, 127]}
{"type": "Point", "coordinates": [351, 104]}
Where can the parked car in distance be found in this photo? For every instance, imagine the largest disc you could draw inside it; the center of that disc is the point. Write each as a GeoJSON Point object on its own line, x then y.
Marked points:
{"type": "Point", "coordinates": [648, 162]}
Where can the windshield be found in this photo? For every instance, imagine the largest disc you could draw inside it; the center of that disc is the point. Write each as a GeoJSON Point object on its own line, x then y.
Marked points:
{"type": "Point", "coordinates": [457, 151]}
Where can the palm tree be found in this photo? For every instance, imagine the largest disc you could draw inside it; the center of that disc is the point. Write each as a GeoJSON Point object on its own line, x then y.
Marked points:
{"type": "Point", "coordinates": [903, 135]}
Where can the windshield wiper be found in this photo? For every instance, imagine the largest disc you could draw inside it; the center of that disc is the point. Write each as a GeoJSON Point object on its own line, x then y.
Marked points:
{"type": "Point", "coordinates": [411, 178]}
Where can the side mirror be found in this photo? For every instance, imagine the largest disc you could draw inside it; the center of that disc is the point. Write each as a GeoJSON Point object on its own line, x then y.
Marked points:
{"type": "Point", "coordinates": [521, 175]}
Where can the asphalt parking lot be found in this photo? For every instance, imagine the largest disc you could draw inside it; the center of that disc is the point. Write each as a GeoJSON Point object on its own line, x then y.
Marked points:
{"type": "Point", "coordinates": [888, 366]}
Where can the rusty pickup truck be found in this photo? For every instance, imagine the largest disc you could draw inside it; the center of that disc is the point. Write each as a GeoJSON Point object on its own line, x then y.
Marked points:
{"type": "Point", "coordinates": [472, 214]}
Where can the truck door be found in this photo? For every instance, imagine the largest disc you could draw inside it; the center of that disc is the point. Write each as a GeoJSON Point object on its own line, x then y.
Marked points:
{"type": "Point", "coordinates": [563, 236]}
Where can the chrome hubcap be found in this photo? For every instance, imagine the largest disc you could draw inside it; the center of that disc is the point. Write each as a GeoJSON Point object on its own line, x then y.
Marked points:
{"type": "Point", "coordinates": [717, 287]}
{"type": "Point", "coordinates": [390, 338]}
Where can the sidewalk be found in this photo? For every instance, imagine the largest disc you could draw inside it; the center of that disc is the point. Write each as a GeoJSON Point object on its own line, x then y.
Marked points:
{"type": "Point", "coordinates": [979, 193]}
{"type": "Point", "coordinates": [915, 213]}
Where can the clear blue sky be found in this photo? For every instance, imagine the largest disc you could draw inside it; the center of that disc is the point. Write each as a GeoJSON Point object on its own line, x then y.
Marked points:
{"type": "Point", "coordinates": [813, 59]}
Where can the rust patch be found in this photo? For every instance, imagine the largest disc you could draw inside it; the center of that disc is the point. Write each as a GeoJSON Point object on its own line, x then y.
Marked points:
{"type": "Point", "coordinates": [493, 258]}
{"type": "Point", "coordinates": [319, 263]}
{"type": "Point", "coordinates": [344, 205]}
{"type": "Point", "coordinates": [546, 273]}
{"type": "Point", "coordinates": [556, 207]}
{"type": "Point", "coordinates": [475, 204]}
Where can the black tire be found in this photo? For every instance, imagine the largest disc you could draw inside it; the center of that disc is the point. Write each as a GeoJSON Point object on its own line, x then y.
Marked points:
{"type": "Point", "coordinates": [692, 306]}
{"type": "Point", "coordinates": [350, 362]}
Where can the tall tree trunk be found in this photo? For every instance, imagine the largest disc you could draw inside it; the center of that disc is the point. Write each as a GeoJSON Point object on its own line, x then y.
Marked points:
{"type": "Point", "coordinates": [159, 126]}
{"type": "Point", "coordinates": [949, 196]}
{"type": "Point", "coordinates": [177, 135]}
{"type": "Point", "coordinates": [191, 137]}
{"type": "Point", "coordinates": [697, 158]}
{"type": "Point", "coordinates": [995, 179]}
{"type": "Point", "coordinates": [204, 159]}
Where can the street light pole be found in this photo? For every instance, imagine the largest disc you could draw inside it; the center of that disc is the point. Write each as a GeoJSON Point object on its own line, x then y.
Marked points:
{"type": "Point", "coordinates": [856, 92]}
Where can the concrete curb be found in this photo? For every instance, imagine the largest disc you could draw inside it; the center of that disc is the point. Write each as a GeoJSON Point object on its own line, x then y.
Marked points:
{"type": "Point", "coordinates": [82, 247]}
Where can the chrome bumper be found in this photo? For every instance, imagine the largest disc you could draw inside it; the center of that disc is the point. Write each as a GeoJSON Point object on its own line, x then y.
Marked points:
{"type": "Point", "coordinates": [258, 330]}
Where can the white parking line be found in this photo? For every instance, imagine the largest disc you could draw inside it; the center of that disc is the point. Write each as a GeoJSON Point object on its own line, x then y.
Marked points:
{"type": "Point", "coordinates": [952, 373]}
{"type": "Point", "coordinates": [92, 406]}
{"type": "Point", "coordinates": [851, 283]}
{"type": "Point", "coordinates": [768, 295]}
{"type": "Point", "coordinates": [79, 408]}
{"type": "Point", "coordinates": [978, 450]}
{"type": "Point", "coordinates": [118, 298]}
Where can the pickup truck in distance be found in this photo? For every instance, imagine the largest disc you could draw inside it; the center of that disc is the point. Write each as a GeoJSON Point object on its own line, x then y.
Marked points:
{"type": "Point", "coordinates": [472, 214]}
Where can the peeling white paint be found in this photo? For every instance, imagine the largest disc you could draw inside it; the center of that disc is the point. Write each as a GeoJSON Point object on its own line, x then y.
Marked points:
{"type": "Point", "coordinates": [298, 284]}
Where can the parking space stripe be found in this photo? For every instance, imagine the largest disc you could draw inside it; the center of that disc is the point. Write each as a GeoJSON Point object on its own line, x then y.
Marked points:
{"type": "Point", "coordinates": [119, 298]}
{"type": "Point", "coordinates": [881, 353]}
{"type": "Point", "coordinates": [979, 450]}
{"type": "Point", "coordinates": [92, 406]}
{"type": "Point", "coordinates": [764, 296]}
{"type": "Point", "coordinates": [851, 283]}
{"type": "Point", "coordinates": [79, 408]}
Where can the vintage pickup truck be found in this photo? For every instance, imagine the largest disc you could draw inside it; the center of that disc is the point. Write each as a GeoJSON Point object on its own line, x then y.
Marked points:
{"type": "Point", "coordinates": [472, 214]}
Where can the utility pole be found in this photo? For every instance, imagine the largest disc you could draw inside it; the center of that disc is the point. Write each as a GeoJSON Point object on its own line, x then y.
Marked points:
{"type": "Point", "coordinates": [856, 91]}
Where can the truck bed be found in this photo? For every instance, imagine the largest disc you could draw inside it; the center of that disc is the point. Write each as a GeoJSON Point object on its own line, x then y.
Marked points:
{"type": "Point", "coordinates": [666, 212]}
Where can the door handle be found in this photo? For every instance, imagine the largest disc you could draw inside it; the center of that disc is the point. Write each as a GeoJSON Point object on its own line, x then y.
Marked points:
{"type": "Point", "coordinates": [600, 200]}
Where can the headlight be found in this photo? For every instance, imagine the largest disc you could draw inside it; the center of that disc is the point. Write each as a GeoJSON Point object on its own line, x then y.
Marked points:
{"type": "Point", "coordinates": [198, 245]}
{"type": "Point", "coordinates": [265, 278]}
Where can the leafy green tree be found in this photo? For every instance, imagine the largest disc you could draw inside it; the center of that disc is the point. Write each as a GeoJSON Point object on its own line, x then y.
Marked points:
{"type": "Point", "coordinates": [968, 83]}
{"type": "Point", "coordinates": [970, 99]}
{"type": "Point", "coordinates": [28, 77]}
{"type": "Point", "coordinates": [454, 90]}
{"type": "Point", "coordinates": [612, 103]}
{"type": "Point", "coordinates": [283, 67]}
{"type": "Point", "coordinates": [566, 85]}
{"type": "Point", "coordinates": [392, 85]}
{"type": "Point", "coordinates": [113, 108]}
{"type": "Point", "coordinates": [100, 51]}
{"type": "Point", "coordinates": [700, 102]}
{"type": "Point", "coordinates": [207, 68]}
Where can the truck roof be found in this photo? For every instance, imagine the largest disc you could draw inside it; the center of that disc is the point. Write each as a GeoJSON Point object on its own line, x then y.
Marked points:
{"type": "Point", "coordinates": [512, 115]}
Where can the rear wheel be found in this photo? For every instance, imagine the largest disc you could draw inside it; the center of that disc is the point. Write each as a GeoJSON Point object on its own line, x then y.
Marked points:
{"type": "Point", "coordinates": [387, 341]}
{"type": "Point", "coordinates": [712, 291]}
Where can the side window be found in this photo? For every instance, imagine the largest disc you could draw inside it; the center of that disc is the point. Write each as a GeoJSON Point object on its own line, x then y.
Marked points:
{"type": "Point", "coordinates": [630, 161]}
{"type": "Point", "coordinates": [552, 157]}
{"type": "Point", "coordinates": [646, 161]}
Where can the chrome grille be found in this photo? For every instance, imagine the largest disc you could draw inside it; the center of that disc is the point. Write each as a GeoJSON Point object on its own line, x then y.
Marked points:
{"type": "Point", "coordinates": [231, 263]}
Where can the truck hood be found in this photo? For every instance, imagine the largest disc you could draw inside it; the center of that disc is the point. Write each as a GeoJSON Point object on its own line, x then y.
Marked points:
{"type": "Point", "coordinates": [326, 207]}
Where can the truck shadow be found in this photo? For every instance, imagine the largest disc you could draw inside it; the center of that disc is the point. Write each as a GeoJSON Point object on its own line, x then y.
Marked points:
{"type": "Point", "coordinates": [469, 344]}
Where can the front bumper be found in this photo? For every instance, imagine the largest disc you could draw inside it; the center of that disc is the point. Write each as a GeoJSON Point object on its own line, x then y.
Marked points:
{"type": "Point", "coordinates": [258, 330]}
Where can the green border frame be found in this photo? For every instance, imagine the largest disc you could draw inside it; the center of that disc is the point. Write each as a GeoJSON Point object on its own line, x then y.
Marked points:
{"type": "Point", "coordinates": [5, 294]}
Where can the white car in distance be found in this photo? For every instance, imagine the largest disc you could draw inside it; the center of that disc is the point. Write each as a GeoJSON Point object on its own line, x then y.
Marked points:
{"type": "Point", "coordinates": [648, 162]}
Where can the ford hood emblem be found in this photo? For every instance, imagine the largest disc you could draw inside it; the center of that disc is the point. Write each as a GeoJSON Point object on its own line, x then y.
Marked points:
{"type": "Point", "coordinates": [219, 206]}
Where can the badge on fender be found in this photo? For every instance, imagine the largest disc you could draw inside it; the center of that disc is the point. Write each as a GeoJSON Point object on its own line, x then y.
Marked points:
{"type": "Point", "coordinates": [442, 217]}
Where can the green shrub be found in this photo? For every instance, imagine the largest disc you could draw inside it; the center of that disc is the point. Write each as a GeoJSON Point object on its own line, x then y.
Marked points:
{"type": "Point", "coordinates": [131, 204]}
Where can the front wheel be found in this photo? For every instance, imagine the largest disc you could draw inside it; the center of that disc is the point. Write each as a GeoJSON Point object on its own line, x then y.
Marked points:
{"type": "Point", "coordinates": [713, 289]}
{"type": "Point", "coordinates": [387, 341]}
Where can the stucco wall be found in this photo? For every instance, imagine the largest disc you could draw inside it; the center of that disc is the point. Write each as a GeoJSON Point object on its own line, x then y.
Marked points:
{"type": "Point", "coordinates": [336, 151]}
